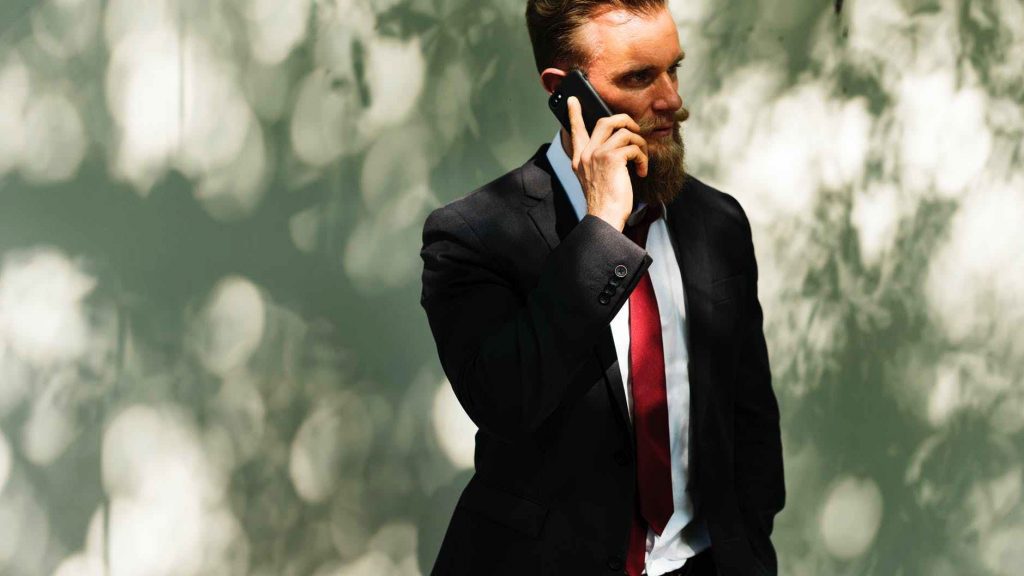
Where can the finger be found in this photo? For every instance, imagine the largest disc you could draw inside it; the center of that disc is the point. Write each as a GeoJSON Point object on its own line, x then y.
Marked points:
{"type": "Point", "coordinates": [636, 154]}
{"type": "Point", "coordinates": [622, 138]}
{"type": "Point", "coordinates": [605, 126]}
{"type": "Point", "coordinates": [578, 134]}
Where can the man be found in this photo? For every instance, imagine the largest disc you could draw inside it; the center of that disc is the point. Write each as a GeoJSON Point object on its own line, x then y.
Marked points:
{"type": "Point", "coordinates": [603, 331]}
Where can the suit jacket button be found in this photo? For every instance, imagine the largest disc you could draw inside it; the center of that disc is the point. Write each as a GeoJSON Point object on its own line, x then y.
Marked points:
{"type": "Point", "coordinates": [604, 299]}
{"type": "Point", "coordinates": [615, 563]}
{"type": "Point", "coordinates": [608, 291]}
{"type": "Point", "coordinates": [621, 458]}
{"type": "Point", "coordinates": [620, 271]}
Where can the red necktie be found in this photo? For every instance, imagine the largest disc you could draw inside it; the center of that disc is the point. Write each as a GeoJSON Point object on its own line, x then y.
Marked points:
{"type": "Point", "coordinates": [650, 407]}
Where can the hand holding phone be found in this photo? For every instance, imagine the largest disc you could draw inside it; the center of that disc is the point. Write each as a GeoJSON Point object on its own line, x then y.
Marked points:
{"type": "Point", "coordinates": [600, 153]}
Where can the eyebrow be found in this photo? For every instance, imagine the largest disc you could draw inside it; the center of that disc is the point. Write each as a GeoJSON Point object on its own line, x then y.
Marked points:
{"type": "Point", "coordinates": [648, 69]}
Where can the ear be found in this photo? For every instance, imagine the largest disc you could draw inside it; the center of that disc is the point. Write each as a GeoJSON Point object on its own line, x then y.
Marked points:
{"type": "Point", "coordinates": [551, 78]}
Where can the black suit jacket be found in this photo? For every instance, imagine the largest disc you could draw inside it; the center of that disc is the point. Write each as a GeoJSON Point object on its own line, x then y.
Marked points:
{"type": "Point", "coordinates": [512, 289]}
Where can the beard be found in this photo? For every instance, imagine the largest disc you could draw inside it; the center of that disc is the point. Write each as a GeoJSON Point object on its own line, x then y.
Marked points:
{"type": "Point", "coordinates": [666, 163]}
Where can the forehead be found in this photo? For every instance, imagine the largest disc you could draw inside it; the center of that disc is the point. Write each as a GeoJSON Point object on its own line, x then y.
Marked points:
{"type": "Point", "coordinates": [617, 38]}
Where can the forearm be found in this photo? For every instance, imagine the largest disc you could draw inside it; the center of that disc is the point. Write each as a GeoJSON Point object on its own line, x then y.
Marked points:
{"type": "Point", "coordinates": [759, 477]}
{"type": "Point", "coordinates": [760, 484]}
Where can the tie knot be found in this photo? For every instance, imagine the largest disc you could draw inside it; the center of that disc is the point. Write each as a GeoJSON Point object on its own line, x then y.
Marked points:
{"type": "Point", "coordinates": [640, 222]}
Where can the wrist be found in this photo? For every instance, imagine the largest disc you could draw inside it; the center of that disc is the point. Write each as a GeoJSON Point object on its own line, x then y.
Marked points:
{"type": "Point", "coordinates": [617, 221]}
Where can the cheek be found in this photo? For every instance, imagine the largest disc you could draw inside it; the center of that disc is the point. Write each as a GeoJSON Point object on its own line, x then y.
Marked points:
{"type": "Point", "coordinates": [625, 104]}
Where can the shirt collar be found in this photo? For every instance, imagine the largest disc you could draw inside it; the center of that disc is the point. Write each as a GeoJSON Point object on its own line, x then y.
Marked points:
{"type": "Point", "coordinates": [562, 165]}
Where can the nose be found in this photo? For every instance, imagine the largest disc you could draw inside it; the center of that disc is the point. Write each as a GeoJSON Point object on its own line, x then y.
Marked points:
{"type": "Point", "coordinates": [666, 97]}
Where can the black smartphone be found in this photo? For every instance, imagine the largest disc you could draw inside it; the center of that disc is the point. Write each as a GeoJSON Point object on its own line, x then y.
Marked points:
{"type": "Point", "coordinates": [593, 108]}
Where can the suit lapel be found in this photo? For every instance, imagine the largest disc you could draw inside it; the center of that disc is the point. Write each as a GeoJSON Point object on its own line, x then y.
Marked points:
{"type": "Point", "coordinates": [689, 235]}
{"type": "Point", "coordinates": [546, 201]}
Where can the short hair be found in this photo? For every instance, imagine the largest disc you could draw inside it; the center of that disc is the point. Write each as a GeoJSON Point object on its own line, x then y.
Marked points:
{"type": "Point", "coordinates": [553, 24]}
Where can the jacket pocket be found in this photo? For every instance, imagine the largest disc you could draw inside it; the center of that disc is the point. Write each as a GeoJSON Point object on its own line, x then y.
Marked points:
{"type": "Point", "coordinates": [510, 510]}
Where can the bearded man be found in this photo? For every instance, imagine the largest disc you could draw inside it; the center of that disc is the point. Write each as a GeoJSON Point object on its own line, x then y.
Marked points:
{"type": "Point", "coordinates": [600, 325]}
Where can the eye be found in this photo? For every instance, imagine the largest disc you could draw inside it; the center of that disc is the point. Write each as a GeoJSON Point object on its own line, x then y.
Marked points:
{"type": "Point", "coordinates": [674, 69]}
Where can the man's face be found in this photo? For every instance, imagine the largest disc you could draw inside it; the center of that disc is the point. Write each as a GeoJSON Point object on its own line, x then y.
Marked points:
{"type": "Point", "coordinates": [633, 62]}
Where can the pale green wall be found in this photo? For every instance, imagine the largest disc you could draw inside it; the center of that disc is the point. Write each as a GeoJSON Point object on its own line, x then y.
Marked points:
{"type": "Point", "coordinates": [212, 355]}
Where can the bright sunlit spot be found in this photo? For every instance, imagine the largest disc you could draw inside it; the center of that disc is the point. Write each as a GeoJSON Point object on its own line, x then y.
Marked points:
{"type": "Point", "coordinates": [850, 517]}
{"type": "Point", "coordinates": [41, 306]}
{"type": "Point", "coordinates": [455, 432]}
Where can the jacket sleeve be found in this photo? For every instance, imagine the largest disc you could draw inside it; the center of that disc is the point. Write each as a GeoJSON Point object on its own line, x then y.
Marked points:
{"type": "Point", "coordinates": [513, 358]}
{"type": "Point", "coordinates": [758, 442]}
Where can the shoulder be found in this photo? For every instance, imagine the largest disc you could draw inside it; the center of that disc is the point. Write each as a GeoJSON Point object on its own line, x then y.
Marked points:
{"type": "Point", "coordinates": [726, 225]}
{"type": "Point", "coordinates": [722, 212]}
{"type": "Point", "coordinates": [489, 206]}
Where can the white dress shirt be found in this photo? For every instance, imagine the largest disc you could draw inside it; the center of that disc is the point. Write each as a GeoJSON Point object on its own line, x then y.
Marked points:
{"type": "Point", "coordinates": [670, 550]}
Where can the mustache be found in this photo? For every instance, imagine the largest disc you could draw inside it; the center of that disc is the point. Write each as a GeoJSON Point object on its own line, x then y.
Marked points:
{"type": "Point", "coordinates": [649, 124]}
